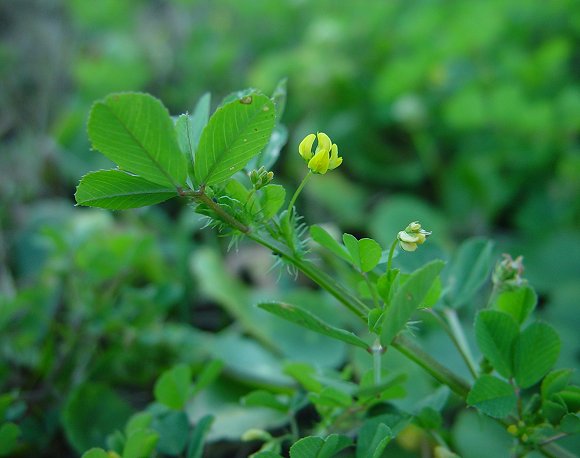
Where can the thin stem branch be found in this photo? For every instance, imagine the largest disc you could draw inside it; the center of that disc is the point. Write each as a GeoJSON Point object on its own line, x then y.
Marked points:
{"type": "Point", "coordinates": [224, 216]}
{"type": "Point", "coordinates": [431, 366]}
{"type": "Point", "coordinates": [298, 191]}
{"type": "Point", "coordinates": [313, 272]}
{"type": "Point", "coordinates": [372, 291]}
{"type": "Point", "coordinates": [391, 253]}
{"type": "Point", "coordinates": [377, 351]}
{"type": "Point", "coordinates": [455, 331]}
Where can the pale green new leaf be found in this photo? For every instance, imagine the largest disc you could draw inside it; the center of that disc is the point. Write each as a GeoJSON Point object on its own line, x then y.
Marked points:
{"type": "Point", "coordinates": [307, 320]}
{"type": "Point", "coordinates": [536, 351]}
{"type": "Point", "coordinates": [496, 333]}
{"type": "Point", "coordinates": [118, 190]}
{"type": "Point", "coordinates": [408, 297]}
{"type": "Point", "coordinates": [492, 396]}
{"type": "Point", "coordinates": [136, 132]}
{"type": "Point", "coordinates": [235, 133]}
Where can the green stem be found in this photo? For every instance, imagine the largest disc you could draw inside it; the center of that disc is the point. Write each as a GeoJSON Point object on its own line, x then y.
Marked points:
{"type": "Point", "coordinates": [313, 272]}
{"type": "Point", "coordinates": [372, 290]}
{"type": "Point", "coordinates": [455, 331]}
{"type": "Point", "coordinates": [391, 253]}
{"type": "Point", "coordinates": [298, 191]}
{"type": "Point", "coordinates": [431, 366]}
{"type": "Point", "coordinates": [377, 351]}
{"type": "Point", "coordinates": [224, 216]}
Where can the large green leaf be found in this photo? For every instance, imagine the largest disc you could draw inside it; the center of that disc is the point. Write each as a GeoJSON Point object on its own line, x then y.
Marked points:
{"type": "Point", "coordinates": [118, 190]}
{"type": "Point", "coordinates": [536, 351]}
{"type": "Point", "coordinates": [235, 133]}
{"type": "Point", "coordinates": [492, 396]}
{"type": "Point", "coordinates": [135, 131]}
{"type": "Point", "coordinates": [306, 319]}
{"type": "Point", "coordinates": [468, 271]}
{"type": "Point", "coordinates": [496, 333]}
{"type": "Point", "coordinates": [408, 298]}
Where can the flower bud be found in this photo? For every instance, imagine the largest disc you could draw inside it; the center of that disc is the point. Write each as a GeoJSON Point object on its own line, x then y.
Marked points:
{"type": "Point", "coordinates": [412, 236]}
{"type": "Point", "coordinates": [507, 273]}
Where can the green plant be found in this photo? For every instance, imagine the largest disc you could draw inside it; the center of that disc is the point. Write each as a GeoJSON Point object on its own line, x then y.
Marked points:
{"type": "Point", "coordinates": [219, 164]}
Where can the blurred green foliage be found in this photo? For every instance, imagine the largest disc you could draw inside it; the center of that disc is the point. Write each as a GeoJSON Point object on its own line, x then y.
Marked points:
{"type": "Point", "coordinates": [464, 115]}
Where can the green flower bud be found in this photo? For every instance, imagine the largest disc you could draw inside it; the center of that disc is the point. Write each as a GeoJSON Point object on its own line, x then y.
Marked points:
{"type": "Point", "coordinates": [508, 273]}
{"type": "Point", "coordinates": [260, 178]}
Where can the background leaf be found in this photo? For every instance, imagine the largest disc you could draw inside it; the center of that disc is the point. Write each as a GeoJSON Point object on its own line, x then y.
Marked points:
{"type": "Point", "coordinates": [235, 133]}
{"type": "Point", "coordinates": [536, 351]}
{"type": "Point", "coordinates": [407, 299]}
{"type": "Point", "coordinates": [9, 433]}
{"type": "Point", "coordinates": [173, 387]}
{"type": "Point", "coordinates": [91, 412]}
{"type": "Point", "coordinates": [468, 271]}
{"type": "Point", "coordinates": [492, 396]}
{"type": "Point", "coordinates": [496, 333]}
{"type": "Point", "coordinates": [135, 131]}
{"type": "Point", "coordinates": [118, 190]}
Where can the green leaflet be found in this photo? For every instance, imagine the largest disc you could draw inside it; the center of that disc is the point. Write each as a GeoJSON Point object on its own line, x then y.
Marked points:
{"type": "Point", "coordinates": [496, 333]}
{"type": "Point", "coordinates": [118, 190]}
{"type": "Point", "coordinates": [494, 397]}
{"type": "Point", "coordinates": [136, 132]}
{"type": "Point", "coordinates": [235, 133]}
{"type": "Point", "coordinates": [407, 299]}
{"type": "Point", "coordinates": [536, 351]}
{"type": "Point", "coordinates": [365, 253]}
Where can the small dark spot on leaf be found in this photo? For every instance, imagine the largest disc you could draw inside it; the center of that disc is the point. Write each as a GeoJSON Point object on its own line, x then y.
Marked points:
{"type": "Point", "coordinates": [246, 100]}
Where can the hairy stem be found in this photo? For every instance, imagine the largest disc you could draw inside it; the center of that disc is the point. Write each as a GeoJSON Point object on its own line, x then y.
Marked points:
{"type": "Point", "coordinates": [455, 331]}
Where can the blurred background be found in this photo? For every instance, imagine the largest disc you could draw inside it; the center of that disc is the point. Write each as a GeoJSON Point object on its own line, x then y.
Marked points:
{"type": "Point", "coordinates": [464, 115]}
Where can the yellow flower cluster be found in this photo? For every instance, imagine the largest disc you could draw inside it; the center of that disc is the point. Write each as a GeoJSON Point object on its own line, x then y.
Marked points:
{"type": "Point", "coordinates": [324, 158]}
{"type": "Point", "coordinates": [412, 236]}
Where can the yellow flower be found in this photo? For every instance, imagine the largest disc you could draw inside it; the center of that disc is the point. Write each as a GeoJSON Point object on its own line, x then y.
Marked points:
{"type": "Point", "coordinates": [412, 236]}
{"type": "Point", "coordinates": [324, 158]}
